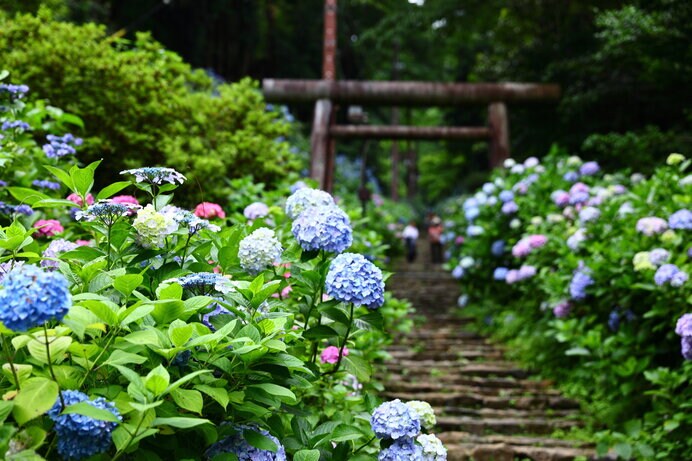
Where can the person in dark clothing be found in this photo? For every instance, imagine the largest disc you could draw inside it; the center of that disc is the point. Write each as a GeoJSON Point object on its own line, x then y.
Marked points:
{"type": "Point", "coordinates": [435, 237]}
{"type": "Point", "coordinates": [410, 235]}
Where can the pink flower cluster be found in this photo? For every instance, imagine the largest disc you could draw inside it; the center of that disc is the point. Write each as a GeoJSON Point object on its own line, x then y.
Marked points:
{"type": "Point", "coordinates": [78, 200]}
{"type": "Point", "coordinates": [524, 246]}
{"type": "Point", "coordinates": [524, 272]}
{"type": "Point", "coordinates": [48, 227]}
{"type": "Point", "coordinates": [331, 354]}
{"type": "Point", "coordinates": [208, 210]}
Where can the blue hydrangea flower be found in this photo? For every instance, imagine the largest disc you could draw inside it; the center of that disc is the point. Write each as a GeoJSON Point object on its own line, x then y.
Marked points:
{"type": "Point", "coordinates": [54, 249]}
{"type": "Point", "coordinates": [188, 219]}
{"type": "Point", "coordinates": [14, 91]}
{"type": "Point", "coordinates": [489, 188]}
{"type": "Point", "coordinates": [658, 256]}
{"type": "Point", "coordinates": [571, 176]}
{"type": "Point", "coordinates": [665, 274]}
{"type": "Point", "coordinates": [354, 279]}
{"type": "Point", "coordinates": [297, 185]}
{"type": "Point", "coordinates": [7, 209]}
{"type": "Point", "coordinates": [500, 273]}
{"type": "Point", "coordinates": [60, 146]}
{"type": "Point", "coordinates": [589, 169]}
{"type": "Point", "coordinates": [156, 175]}
{"type": "Point", "coordinates": [474, 231]}
{"type": "Point", "coordinates": [433, 449]}
{"type": "Point", "coordinates": [574, 240]}
{"type": "Point", "coordinates": [510, 207]}
{"type": "Point", "coordinates": [458, 272]}
{"type": "Point", "coordinates": [681, 219]}
{"type": "Point", "coordinates": [203, 283]}
{"type": "Point", "coordinates": [256, 210]}
{"type": "Point", "coordinates": [683, 328]}
{"type": "Point", "coordinates": [106, 212]}
{"type": "Point", "coordinates": [18, 125]}
{"type": "Point", "coordinates": [614, 320]}
{"type": "Point", "coordinates": [589, 214]}
{"type": "Point", "coordinates": [395, 420]}
{"type": "Point", "coordinates": [472, 213]}
{"type": "Point", "coordinates": [506, 196]}
{"type": "Point", "coordinates": [305, 198]}
{"type": "Point", "coordinates": [259, 250]}
{"type": "Point", "coordinates": [581, 280]}
{"type": "Point", "coordinates": [402, 450]}
{"type": "Point", "coordinates": [32, 297]}
{"type": "Point", "coordinates": [237, 445]}
{"type": "Point", "coordinates": [323, 228]}
{"type": "Point", "coordinates": [462, 300]}
{"type": "Point", "coordinates": [81, 436]}
{"type": "Point", "coordinates": [45, 184]}
{"type": "Point", "coordinates": [497, 248]}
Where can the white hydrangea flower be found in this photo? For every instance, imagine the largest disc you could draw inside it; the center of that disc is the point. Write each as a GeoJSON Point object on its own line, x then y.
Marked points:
{"type": "Point", "coordinates": [153, 227]}
{"type": "Point", "coordinates": [425, 413]}
{"type": "Point", "coordinates": [433, 449]}
{"type": "Point", "coordinates": [259, 250]}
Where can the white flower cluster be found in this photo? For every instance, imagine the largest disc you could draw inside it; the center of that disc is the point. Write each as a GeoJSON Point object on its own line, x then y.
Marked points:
{"type": "Point", "coordinates": [259, 250]}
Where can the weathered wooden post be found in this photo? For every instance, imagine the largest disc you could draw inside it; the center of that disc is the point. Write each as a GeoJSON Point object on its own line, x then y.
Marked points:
{"type": "Point", "coordinates": [499, 133]}
{"type": "Point", "coordinates": [321, 144]}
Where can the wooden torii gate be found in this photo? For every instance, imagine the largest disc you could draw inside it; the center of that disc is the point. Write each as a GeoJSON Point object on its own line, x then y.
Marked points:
{"type": "Point", "coordinates": [328, 93]}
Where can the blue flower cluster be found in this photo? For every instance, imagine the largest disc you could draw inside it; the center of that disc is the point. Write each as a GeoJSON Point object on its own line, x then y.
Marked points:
{"type": "Point", "coordinates": [237, 445]}
{"type": "Point", "coordinates": [45, 184]}
{"type": "Point", "coordinates": [497, 248]}
{"type": "Point", "coordinates": [304, 198]}
{"type": "Point", "coordinates": [681, 219]}
{"type": "Point", "coordinates": [32, 297]}
{"type": "Point", "coordinates": [433, 449]}
{"type": "Point", "coordinates": [670, 273]}
{"type": "Point", "coordinates": [156, 175]}
{"type": "Point", "coordinates": [395, 420]}
{"type": "Point", "coordinates": [324, 227]}
{"type": "Point", "coordinates": [60, 146]}
{"type": "Point", "coordinates": [188, 219]}
{"type": "Point", "coordinates": [106, 211]}
{"type": "Point", "coordinates": [14, 91]}
{"type": "Point", "coordinates": [203, 283]}
{"type": "Point", "coordinates": [18, 125]}
{"type": "Point", "coordinates": [7, 209]}
{"type": "Point", "coordinates": [581, 279]}
{"type": "Point", "coordinates": [354, 279]}
{"type": "Point", "coordinates": [402, 450]}
{"type": "Point", "coordinates": [256, 210]}
{"type": "Point", "coordinates": [81, 436]}
{"type": "Point", "coordinates": [683, 328]}
{"type": "Point", "coordinates": [259, 250]}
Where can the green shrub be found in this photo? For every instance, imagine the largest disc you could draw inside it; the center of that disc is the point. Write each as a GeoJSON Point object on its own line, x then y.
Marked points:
{"type": "Point", "coordinates": [142, 105]}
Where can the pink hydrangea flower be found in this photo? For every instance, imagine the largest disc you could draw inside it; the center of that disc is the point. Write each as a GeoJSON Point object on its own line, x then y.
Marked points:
{"type": "Point", "coordinates": [78, 200]}
{"type": "Point", "coordinates": [331, 354]}
{"type": "Point", "coordinates": [48, 227]}
{"type": "Point", "coordinates": [208, 210]}
{"type": "Point", "coordinates": [524, 246]}
{"type": "Point", "coordinates": [651, 225]}
{"type": "Point", "coordinates": [459, 240]}
{"type": "Point", "coordinates": [84, 243]}
{"type": "Point", "coordinates": [125, 199]}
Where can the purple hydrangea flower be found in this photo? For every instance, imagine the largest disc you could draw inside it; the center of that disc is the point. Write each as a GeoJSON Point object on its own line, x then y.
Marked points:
{"type": "Point", "coordinates": [18, 125]}
{"type": "Point", "coordinates": [589, 169]}
{"type": "Point", "coordinates": [60, 146]}
{"type": "Point", "coordinates": [497, 248]}
{"type": "Point", "coordinates": [500, 273]}
{"type": "Point", "coordinates": [510, 207]}
{"type": "Point", "coordinates": [658, 256]}
{"type": "Point", "coordinates": [560, 198]}
{"type": "Point", "coordinates": [581, 280]}
{"type": "Point", "coordinates": [684, 329]}
{"type": "Point", "coordinates": [562, 309]}
{"type": "Point", "coordinates": [665, 274]}
{"type": "Point", "coordinates": [571, 176]}
{"type": "Point", "coordinates": [241, 448]}
{"type": "Point", "coordinates": [45, 184]}
{"type": "Point", "coordinates": [395, 420]}
{"type": "Point", "coordinates": [651, 225]}
{"type": "Point", "coordinates": [589, 214]}
{"type": "Point", "coordinates": [55, 249]}
{"type": "Point", "coordinates": [256, 210]}
{"type": "Point", "coordinates": [506, 196]}
{"type": "Point", "coordinates": [681, 219]}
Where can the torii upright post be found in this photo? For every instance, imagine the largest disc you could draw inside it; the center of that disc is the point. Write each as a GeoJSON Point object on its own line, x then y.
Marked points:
{"type": "Point", "coordinates": [321, 144]}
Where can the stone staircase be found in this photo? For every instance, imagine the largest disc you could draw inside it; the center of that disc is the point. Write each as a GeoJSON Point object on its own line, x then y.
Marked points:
{"type": "Point", "coordinates": [488, 409]}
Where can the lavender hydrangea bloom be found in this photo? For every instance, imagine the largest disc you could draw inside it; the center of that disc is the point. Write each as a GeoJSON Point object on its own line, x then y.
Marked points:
{"type": "Point", "coordinates": [354, 279]}
{"type": "Point", "coordinates": [81, 436]}
{"type": "Point", "coordinates": [32, 297]}
{"type": "Point", "coordinates": [574, 240]}
{"type": "Point", "coordinates": [7, 209]}
{"type": "Point", "coordinates": [45, 184]}
{"type": "Point", "coordinates": [614, 320]}
{"type": "Point", "coordinates": [474, 231]}
{"type": "Point", "coordinates": [571, 176]}
{"type": "Point", "coordinates": [581, 280]}
{"type": "Point", "coordinates": [683, 328]}
{"type": "Point", "coordinates": [665, 274]}
{"type": "Point", "coordinates": [259, 250]}
{"type": "Point", "coordinates": [323, 228]}
{"type": "Point", "coordinates": [18, 125]}
{"type": "Point", "coordinates": [256, 210]}
{"type": "Point", "coordinates": [472, 213]}
{"type": "Point", "coordinates": [55, 249]}
{"type": "Point", "coordinates": [106, 212]}
{"type": "Point", "coordinates": [401, 450]}
{"type": "Point", "coordinates": [297, 185]}
{"type": "Point", "coordinates": [506, 196]}
{"type": "Point", "coordinates": [156, 175]}
{"type": "Point", "coordinates": [305, 198]}
{"type": "Point", "coordinates": [241, 448]}
{"type": "Point", "coordinates": [658, 256]}
{"type": "Point", "coordinates": [681, 219]}
{"type": "Point", "coordinates": [510, 208]}
{"type": "Point", "coordinates": [433, 449]}
{"type": "Point", "coordinates": [60, 146]}
{"type": "Point", "coordinates": [203, 283]}
{"type": "Point", "coordinates": [589, 214]}
{"type": "Point", "coordinates": [526, 272]}
{"type": "Point", "coordinates": [651, 225]}
{"type": "Point", "coordinates": [458, 272]}
{"type": "Point", "coordinates": [14, 91]}
{"type": "Point", "coordinates": [589, 169]}
{"type": "Point", "coordinates": [679, 279]}
{"type": "Point", "coordinates": [578, 197]}
{"type": "Point", "coordinates": [562, 309]}
{"type": "Point", "coordinates": [497, 248]}
{"type": "Point", "coordinates": [395, 420]}
{"type": "Point", "coordinates": [560, 198]}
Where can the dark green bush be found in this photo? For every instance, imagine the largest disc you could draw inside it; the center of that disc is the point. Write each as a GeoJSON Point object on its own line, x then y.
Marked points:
{"type": "Point", "coordinates": [142, 105]}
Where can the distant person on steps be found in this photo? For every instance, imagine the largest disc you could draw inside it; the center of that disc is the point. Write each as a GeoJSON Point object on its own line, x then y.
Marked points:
{"type": "Point", "coordinates": [410, 235]}
{"type": "Point", "coordinates": [435, 231]}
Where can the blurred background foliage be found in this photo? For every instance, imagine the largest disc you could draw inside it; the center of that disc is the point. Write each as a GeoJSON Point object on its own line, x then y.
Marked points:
{"type": "Point", "coordinates": [624, 67]}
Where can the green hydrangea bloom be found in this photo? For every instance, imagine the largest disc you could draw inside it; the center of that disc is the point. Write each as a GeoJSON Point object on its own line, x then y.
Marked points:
{"type": "Point", "coordinates": [425, 413]}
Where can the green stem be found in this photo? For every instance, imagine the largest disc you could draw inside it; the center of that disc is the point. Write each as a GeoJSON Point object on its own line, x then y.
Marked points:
{"type": "Point", "coordinates": [132, 437]}
{"type": "Point", "coordinates": [98, 357]}
{"type": "Point", "coordinates": [50, 366]}
{"type": "Point", "coordinates": [6, 348]}
{"type": "Point", "coordinates": [364, 445]}
{"type": "Point", "coordinates": [108, 242]}
{"type": "Point", "coordinates": [343, 344]}
{"type": "Point", "coordinates": [187, 243]}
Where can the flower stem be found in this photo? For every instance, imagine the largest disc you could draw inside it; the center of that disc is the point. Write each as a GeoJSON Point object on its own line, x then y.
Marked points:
{"type": "Point", "coordinates": [187, 243]}
{"type": "Point", "coordinates": [9, 360]}
{"type": "Point", "coordinates": [50, 366]}
{"type": "Point", "coordinates": [364, 445]}
{"type": "Point", "coordinates": [343, 344]}
{"type": "Point", "coordinates": [108, 242]}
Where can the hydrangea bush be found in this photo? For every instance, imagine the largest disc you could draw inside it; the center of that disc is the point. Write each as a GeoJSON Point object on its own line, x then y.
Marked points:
{"type": "Point", "coordinates": [587, 279]}
{"type": "Point", "coordinates": [134, 329]}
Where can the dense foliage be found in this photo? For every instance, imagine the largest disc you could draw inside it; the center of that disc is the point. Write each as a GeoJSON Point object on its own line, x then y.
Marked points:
{"type": "Point", "coordinates": [141, 105]}
{"type": "Point", "coordinates": [587, 276]}
{"type": "Point", "coordinates": [134, 329]}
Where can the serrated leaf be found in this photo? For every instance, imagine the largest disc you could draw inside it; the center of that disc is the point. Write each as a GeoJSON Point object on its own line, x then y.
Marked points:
{"type": "Point", "coordinates": [307, 455]}
{"type": "Point", "coordinates": [218, 394]}
{"type": "Point", "coordinates": [188, 399]}
{"type": "Point", "coordinates": [157, 380]}
{"type": "Point", "coordinates": [127, 283]}
{"type": "Point", "coordinates": [37, 396]}
{"type": "Point", "coordinates": [86, 409]}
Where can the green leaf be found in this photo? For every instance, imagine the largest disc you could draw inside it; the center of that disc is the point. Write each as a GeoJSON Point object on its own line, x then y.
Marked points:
{"type": "Point", "coordinates": [112, 189]}
{"type": "Point", "coordinates": [623, 449]}
{"type": "Point", "coordinates": [127, 283]}
{"type": "Point", "coordinates": [345, 433]}
{"type": "Point", "coordinates": [218, 394]}
{"type": "Point", "coordinates": [320, 332]}
{"type": "Point", "coordinates": [179, 422]}
{"type": "Point", "coordinates": [275, 390]}
{"type": "Point", "coordinates": [633, 427]}
{"type": "Point", "coordinates": [37, 396]}
{"type": "Point", "coordinates": [577, 351]}
{"type": "Point", "coordinates": [186, 378]}
{"type": "Point", "coordinates": [307, 455]}
{"type": "Point", "coordinates": [104, 310]}
{"type": "Point", "coordinates": [62, 175]}
{"type": "Point", "coordinates": [260, 441]}
{"type": "Point", "coordinates": [83, 178]}
{"type": "Point", "coordinates": [157, 380]}
{"type": "Point", "coordinates": [23, 371]}
{"type": "Point", "coordinates": [188, 399]}
{"type": "Point", "coordinates": [86, 409]}
{"type": "Point", "coordinates": [5, 409]}
{"type": "Point", "coordinates": [57, 346]}
{"type": "Point", "coordinates": [119, 357]}
{"type": "Point", "coordinates": [168, 310]}
{"type": "Point", "coordinates": [257, 284]}
{"type": "Point", "coordinates": [27, 196]}
{"type": "Point", "coordinates": [358, 367]}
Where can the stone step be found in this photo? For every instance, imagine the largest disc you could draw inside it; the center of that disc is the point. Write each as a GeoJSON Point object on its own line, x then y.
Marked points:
{"type": "Point", "coordinates": [506, 425]}
{"type": "Point", "coordinates": [505, 452]}
{"type": "Point", "coordinates": [442, 388]}
{"type": "Point", "coordinates": [479, 400]}
{"type": "Point", "coordinates": [455, 437]}
{"type": "Point", "coordinates": [489, 381]}
{"type": "Point", "coordinates": [506, 413]}
{"type": "Point", "coordinates": [428, 354]}
{"type": "Point", "coordinates": [441, 367]}
{"type": "Point", "coordinates": [446, 343]}
{"type": "Point", "coordinates": [446, 333]}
